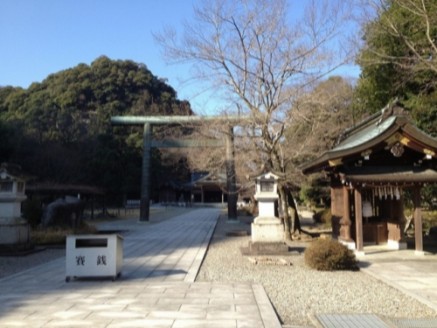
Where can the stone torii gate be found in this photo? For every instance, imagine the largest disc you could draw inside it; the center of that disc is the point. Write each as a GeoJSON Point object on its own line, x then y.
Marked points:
{"type": "Point", "coordinates": [148, 121]}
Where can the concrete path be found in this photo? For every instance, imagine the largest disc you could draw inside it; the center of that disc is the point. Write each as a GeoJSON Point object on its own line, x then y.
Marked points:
{"type": "Point", "coordinates": [156, 289]}
{"type": "Point", "coordinates": [415, 275]}
{"type": "Point", "coordinates": [351, 321]}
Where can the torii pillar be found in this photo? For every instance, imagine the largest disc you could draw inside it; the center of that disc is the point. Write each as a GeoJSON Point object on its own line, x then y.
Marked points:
{"type": "Point", "coordinates": [149, 121]}
{"type": "Point", "coordinates": [145, 173]}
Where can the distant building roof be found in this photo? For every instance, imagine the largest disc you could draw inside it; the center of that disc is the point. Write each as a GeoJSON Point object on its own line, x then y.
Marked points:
{"type": "Point", "coordinates": [48, 188]}
{"type": "Point", "coordinates": [216, 179]}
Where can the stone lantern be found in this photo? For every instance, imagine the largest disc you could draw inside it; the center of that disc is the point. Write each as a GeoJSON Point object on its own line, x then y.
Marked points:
{"type": "Point", "coordinates": [13, 229]}
{"type": "Point", "coordinates": [267, 229]}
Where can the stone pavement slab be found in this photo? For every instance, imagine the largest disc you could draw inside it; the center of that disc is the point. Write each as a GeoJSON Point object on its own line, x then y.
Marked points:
{"type": "Point", "coordinates": [168, 304]}
{"type": "Point", "coordinates": [414, 323]}
{"type": "Point", "coordinates": [414, 275]}
{"type": "Point", "coordinates": [156, 289]}
{"type": "Point", "coordinates": [406, 277]}
{"type": "Point", "coordinates": [351, 321]}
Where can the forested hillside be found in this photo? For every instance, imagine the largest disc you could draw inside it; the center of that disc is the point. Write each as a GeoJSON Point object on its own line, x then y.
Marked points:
{"type": "Point", "coordinates": [59, 130]}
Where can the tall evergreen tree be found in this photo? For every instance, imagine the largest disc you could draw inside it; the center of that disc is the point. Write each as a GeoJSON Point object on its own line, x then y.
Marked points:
{"type": "Point", "coordinates": [399, 59]}
{"type": "Point", "coordinates": [61, 126]}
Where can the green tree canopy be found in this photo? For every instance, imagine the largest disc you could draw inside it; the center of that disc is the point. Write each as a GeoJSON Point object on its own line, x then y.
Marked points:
{"type": "Point", "coordinates": [79, 101]}
{"type": "Point", "coordinates": [399, 59]}
{"type": "Point", "coordinates": [59, 129]}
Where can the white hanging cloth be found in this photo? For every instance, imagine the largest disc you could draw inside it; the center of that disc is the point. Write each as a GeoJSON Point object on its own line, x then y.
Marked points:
{"type": "Point", "coordinates": [397, 193]}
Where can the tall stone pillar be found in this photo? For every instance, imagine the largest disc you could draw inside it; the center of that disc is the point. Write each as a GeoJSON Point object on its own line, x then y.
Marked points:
{"type": "Point", "coordinates": [230, 175]}
{"type": "Point", "coordinates": [145, 180]}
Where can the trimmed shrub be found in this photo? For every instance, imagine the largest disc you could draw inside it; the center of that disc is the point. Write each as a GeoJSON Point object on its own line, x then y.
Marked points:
{"type": "Point", "coordinates": [32, 212]}
{"type": "Point", "coordinates": [323, 216]}
{"type": "Point", "coordinates": [57, 235]}
{"type": "Point", "coordinates": [330, 255]}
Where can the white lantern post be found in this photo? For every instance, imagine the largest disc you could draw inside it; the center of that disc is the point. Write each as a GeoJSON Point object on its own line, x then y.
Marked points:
{"type": "Point", "coordinates": [267, 229]}
{"type": "Point", "coordinates": [14, 231]}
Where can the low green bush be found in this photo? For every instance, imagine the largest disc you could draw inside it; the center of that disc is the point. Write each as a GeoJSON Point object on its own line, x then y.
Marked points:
{"type": "Point", "coordinates": [330, 255]}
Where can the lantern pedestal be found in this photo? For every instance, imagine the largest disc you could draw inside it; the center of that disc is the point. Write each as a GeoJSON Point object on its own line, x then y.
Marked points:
{"type": "Point", "coordinates": [14, 231]}
{"type": "Point", "coordinates": [12, 234]}
{"type": "Point", "coordinates": [268, 230]}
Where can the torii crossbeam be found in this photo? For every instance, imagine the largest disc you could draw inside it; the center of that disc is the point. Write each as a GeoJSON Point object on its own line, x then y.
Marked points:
{"type": "Point", "coordinates": [148, 121]}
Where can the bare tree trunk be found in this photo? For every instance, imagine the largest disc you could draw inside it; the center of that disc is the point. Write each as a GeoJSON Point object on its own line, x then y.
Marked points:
{"type": "Point", "coordinates": [291, 217]}
{"type": "Point", "coordinates": [295, 221]}
{"type": "Point", "coordinates": [295, 225]}
{"type": "Point", "coordinates": [285, 216]}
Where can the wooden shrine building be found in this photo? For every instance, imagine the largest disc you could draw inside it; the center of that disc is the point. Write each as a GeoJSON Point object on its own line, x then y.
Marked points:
{"type": "Point", "coordinates": [208, 188]}
{"type": "Point", "coordinates": [370, 169]}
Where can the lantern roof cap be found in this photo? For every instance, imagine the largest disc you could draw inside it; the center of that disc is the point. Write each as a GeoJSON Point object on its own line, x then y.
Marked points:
{"type": "Point", "coordinates": [267, 176]}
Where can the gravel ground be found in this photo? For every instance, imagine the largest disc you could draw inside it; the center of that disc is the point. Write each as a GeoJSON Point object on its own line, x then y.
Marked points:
{"type": "Point", "coordinates": [298, 292]}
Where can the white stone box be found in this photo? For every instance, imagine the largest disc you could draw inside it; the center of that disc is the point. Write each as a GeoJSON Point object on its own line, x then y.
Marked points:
{"type": "Point", "coordinates": [94, 256]}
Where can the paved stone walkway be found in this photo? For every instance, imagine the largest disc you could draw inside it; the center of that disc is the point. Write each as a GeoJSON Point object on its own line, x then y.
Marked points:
{"type": "Point", "coordinates": [156, 289]}
{"type": "Point", "coordinates": [351, 320]}
{"type": "Point", "coordinates": [412, 274]}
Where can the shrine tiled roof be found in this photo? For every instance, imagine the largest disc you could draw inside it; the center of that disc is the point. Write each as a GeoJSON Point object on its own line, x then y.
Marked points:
{"type": "Point", "coordinates": [394, 175]}
{"type": "Point", "coordinates": [380, 131]}
{"type": "Point", "coordinates": [365, 135]}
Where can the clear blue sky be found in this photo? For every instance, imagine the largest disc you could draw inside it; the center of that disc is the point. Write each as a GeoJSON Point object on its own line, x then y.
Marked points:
{"type": "Point", "coordinates": [40, 37]}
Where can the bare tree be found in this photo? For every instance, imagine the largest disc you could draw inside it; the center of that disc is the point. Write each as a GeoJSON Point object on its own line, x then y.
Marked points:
{"type": "Point", "coordinates": [214, 159]}
{"type": "Point", "coordinates": [319, 117]}
{"type": "Point", "coordinates": [260, 56]}
{"type": "Point", "coordinates": [316, 122]}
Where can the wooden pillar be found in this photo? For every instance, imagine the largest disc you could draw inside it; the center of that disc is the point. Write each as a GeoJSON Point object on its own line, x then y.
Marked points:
{"type": "Point", "coordinates": [92, 207]}
{"type": "Point", "coordinates": [417, 214]}
{"type": "Point", "coordinates": [359, 220]}
{"type": "Point", "coordinates": [145, 171]}
{"type": "Point", "coordinates": [346, 219]}
{"type": "Point", "coordinates": [230, 175]}
{"type": "Point", "coordinates": [202, 195]}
